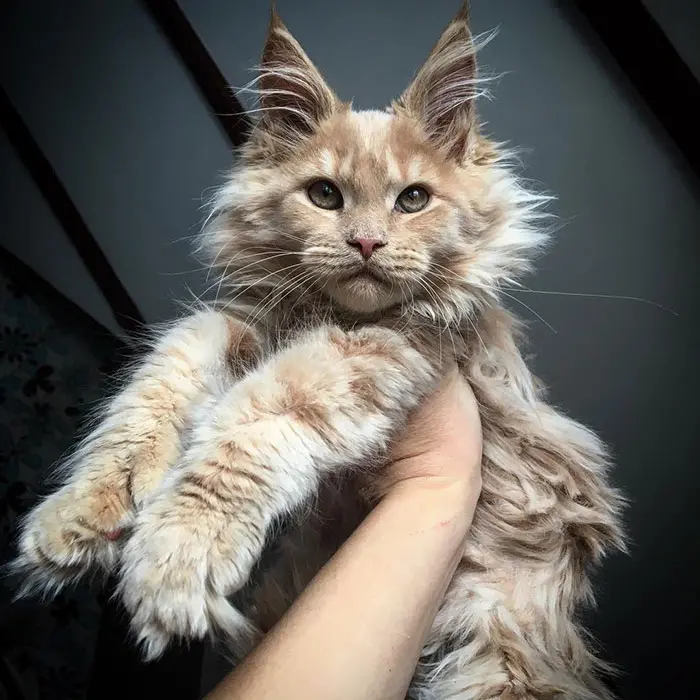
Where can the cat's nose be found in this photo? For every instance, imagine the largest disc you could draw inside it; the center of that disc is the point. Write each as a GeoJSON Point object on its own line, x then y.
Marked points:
{"type": "Point", "coordinates": [366, 246]}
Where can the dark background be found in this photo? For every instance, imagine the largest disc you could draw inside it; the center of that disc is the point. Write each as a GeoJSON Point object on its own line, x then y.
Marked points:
{"type": "Point", "coordinates": [137, 148]}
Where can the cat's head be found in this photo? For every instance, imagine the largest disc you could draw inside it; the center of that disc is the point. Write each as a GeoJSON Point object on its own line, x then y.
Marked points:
{"type": "Point", "coordinates": [410, 206]}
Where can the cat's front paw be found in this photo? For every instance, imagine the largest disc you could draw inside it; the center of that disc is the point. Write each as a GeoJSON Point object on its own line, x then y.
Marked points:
{"type": "Point", "coordinates": [177, 569]}
{"type": "Point", "coordinates": [163, 586]}
{"type": "Point", "coordinates": [69, 535]}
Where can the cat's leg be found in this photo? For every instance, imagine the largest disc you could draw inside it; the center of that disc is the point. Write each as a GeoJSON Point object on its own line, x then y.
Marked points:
{"type": "Point", "coordinates": [508, 628]}
{"type": "Point", "coordinates": [77, 528]}
{"type": "Point", "coordinates": [510, 633]}
{"type": "Point", "coordinates": [332, 399]}
{"type": "Point", "coordinates": [508, 625]}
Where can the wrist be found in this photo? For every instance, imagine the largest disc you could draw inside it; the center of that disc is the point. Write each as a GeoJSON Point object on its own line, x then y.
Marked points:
{"type": "Point", "coordinates": [438, 499]}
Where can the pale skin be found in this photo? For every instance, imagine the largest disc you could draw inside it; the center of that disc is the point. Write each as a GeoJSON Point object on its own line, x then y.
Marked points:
{"type": "Point", "coordinates": [357, 630]}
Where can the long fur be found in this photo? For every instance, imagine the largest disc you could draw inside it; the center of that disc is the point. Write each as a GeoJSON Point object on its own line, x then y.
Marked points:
{"type": "Point", "coordinates": [281, 396]}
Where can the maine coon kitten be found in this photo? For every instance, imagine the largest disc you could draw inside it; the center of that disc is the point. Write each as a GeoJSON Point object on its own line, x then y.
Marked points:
{"type": "Point", "coordinates": [360, 255]}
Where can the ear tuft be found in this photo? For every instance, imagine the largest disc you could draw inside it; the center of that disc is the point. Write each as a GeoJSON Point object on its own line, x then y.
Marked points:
{"type": "Point", "coordinates": [464, 14]}
{"type": "Point", "coordinates": [443, 92]}
{"type": "Point", "coordinates": [294, 98]}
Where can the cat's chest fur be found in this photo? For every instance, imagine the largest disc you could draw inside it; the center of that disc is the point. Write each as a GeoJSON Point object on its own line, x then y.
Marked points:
{"type": "Point", "coordinates": [444, 343]}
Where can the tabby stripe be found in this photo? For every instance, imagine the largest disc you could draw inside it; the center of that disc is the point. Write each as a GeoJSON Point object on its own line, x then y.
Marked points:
{"type": "Point", "coordinates": [258, 480]}
{"type": "Point", "coordinates": [197, 496]}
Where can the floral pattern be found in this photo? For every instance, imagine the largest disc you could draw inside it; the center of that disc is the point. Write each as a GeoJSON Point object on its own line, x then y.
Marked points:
{"type": "Point", "coordinates": [51, 362]}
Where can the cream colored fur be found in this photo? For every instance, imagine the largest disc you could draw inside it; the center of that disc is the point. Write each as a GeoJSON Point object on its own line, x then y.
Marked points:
{"type": "Point", "coordinates": [282, 397]}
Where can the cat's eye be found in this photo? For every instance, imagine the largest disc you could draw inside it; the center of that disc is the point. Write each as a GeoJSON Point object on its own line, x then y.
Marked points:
{"type": "Point", "coordinates": [325, 195]}
{"type": "Point", "coordinates": [412, 199]}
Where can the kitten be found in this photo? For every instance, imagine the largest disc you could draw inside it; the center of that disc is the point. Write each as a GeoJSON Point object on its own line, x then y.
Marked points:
{"type": "Point", "coordinates": [360, 254]}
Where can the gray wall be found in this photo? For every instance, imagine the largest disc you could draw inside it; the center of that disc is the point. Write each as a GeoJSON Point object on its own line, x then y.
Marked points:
{"type": "Point", "coordinates": [124, 127]}
{"type": "Point", "coordinates": [29, 229]}
{"type": "Point", "coordinates": [126, 131]}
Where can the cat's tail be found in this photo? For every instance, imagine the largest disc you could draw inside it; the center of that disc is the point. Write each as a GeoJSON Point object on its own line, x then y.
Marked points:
{"type": "Point", "coordinates": [223, 622]}
{"type": "Point", "coordinates": [238, 632]}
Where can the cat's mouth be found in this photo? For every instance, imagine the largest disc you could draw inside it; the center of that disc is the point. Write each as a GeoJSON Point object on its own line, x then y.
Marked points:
{"type": "Point", "coordinates": [364, 289]}
{"type": "Point", "coordinates": [365, 273]}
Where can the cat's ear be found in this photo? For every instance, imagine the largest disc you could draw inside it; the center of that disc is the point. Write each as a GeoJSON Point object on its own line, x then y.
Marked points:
{"type": "Point", "coordinates": [442, 94]}
{"type": "Point", "coordinates": [294, 97]}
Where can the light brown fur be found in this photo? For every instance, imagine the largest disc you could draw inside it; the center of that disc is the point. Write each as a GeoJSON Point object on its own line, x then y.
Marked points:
{"type": "Point", "coordinates": [283, 397]}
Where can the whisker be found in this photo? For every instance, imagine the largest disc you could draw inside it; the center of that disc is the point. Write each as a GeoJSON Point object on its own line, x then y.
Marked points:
{"type": "Point", "coordinates": [290, 311]}
{"type": "Point", "coordinates": [183, 272]}
{"type": "Point", "coordinates": [404, 303]}
{"type": "Point", "coordinates": [239, 270]}
{"type": "Point", "coordinates": [447, 322]}
{"type": "Point", "coordinates": [621, 297]}
{"type": "Point", "coordinates": [526, 290]}
{"type": "Point", "coordinates": [278, 296]}
{"type": "Point", "coordinates": [212, 266]}
{"type": "Point", "coordinates": [256, 282]}
{"type": "Point", "coordinates": [436, 301]}
{"type": "Point", "coordinates": [532, 311]}
{"type": "Point", "coordinates": [253, 318]}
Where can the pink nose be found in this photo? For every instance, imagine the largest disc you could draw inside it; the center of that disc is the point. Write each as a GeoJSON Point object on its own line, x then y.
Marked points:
{"type": "Point", "coordinates": [366, 246]}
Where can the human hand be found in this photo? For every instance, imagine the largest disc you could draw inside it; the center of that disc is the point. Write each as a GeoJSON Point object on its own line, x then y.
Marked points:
{"type": "Point", "coordinates": [442, 443]}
